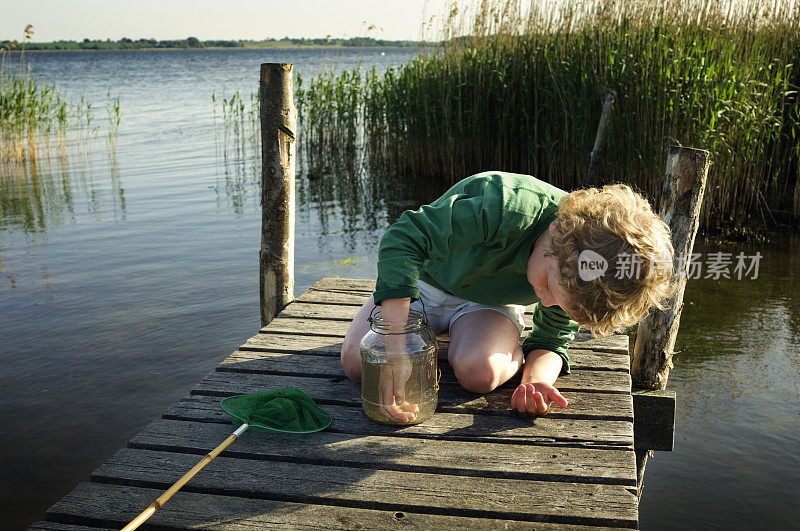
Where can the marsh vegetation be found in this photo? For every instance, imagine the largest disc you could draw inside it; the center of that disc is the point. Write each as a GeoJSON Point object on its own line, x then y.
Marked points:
{"type": "Point", "coordinates": [37, 120]}
{"type": "Point", "coordinates": [521, 89]}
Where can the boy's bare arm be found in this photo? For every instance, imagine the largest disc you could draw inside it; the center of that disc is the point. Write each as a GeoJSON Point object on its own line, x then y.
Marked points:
{"type": "Point", "coordinates": [535, 391]}
{"type": "Point", "coordinates": [395, 310]}
{"type": "Point", "coordinates": [397, 370]}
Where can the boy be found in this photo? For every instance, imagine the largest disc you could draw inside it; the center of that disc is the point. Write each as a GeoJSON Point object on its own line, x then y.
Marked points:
{"type": "Point", "coordinates": [496, 242]}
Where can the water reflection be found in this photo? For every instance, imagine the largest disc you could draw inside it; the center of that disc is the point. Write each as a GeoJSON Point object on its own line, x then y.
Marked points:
{"type": "Point", "coordinates": [754, 321]}
{"type": "Point", "coordinates": [55, 190]}
{"type": "Point", "coordinates": [237, 176]}
{"type": "Point", "coordinates": [237, 150]}
{"type": "Point", "coordinates": [343, 197]}
{"type": "Point", "coordinates": [737, 379]}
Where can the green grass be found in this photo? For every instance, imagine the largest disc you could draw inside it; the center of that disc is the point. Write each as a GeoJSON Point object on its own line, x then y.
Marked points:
{"type": "Point", "coordinates": [524, 94]}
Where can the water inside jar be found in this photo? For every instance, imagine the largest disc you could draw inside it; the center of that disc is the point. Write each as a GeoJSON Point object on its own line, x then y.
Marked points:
{"type": "Point", "coordinates": [421, 388]}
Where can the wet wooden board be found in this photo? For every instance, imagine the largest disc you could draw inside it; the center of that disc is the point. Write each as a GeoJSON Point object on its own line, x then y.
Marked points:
{"type": "Point", "coordinates": [475, 464]}
{"type": "Point", "coordinates": [579, 380]}
{"type": "Point", "coordinates": [276, 365]}
{"type": "Point", "coordinates": [579, 357]}
{"type": "Point", "coordinates": [491, 459]}
{"type": "Point", "coordinates": [376, 489]}
{"type": "Point", "coordinates": [55, 526]}
{"type": "Point", "coordinates": [504, 427]}
{"type": "Point", "coordinates": [292, 324]}
{"type": "Point", "coordinates": [193, 510]}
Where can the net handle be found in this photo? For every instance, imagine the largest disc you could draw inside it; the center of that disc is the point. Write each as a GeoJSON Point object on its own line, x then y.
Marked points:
{"type": "Point", "coordinates": [161, 500]}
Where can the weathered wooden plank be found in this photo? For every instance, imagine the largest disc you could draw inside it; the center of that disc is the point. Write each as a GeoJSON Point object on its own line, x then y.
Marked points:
{"type": "Point", "coordinates": [301, 326]}
{"type": "Point", "coordinates": [54, 526]}
{"type": "Point", "coordinates": [460, 458]}
{"type": "Point", "coordinates": [618, 343]}
{"type": "Point", "coordinates": [294, 325]}
{"type": "Point", "coordinates": [507, 427]}
{"type": "Point", "coordinates": [588, 368]}
{"type": "Point", "coordinates": [654, 406]}
{"type": "Point", "coordinates": [653, 437]}
{"type": "Point", "coordinates": [294, 344]}
{"type": "Point", "coordinates": [346, 298]}
{"type": "Point", "coordinates": [654, 419]}
{"type": "Point", "coordinates": [598, 406]}
{"type": "Point", "coordinates": [115, 505]}
{"type": "Point", "coordinates": [322, 319]}
{"type": "Point", "coordinates": [579, 357]}
{"type": "Point", "coordinates": [252, 351]}
{"type": "Point", "coordinates": [451, 395]}
{"type": "Point", "coordinates": [326, 345]}
{"type": "Point", "coordinates": [335, 312]}
{"type": "Point", "coordinates": [575, 503]}
{"type": "Point", "coordinates": [359, 289]}
{"type": "Point", "coordinates": [307, 310]}
{"type": "Point", "coordinates": [338, 385]}
{"type": "Point", "coordinates": [345, 284]}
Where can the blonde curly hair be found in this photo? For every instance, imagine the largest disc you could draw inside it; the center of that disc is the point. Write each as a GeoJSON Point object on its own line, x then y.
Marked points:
{"type": "Point", "coordinates": [616, 223]}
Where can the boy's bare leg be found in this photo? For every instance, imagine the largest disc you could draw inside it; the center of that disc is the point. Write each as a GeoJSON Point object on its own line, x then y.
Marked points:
{"type": "Point", "coordinates": [484, 350]}
{"type": "Point", "coordinates": [351, 350]}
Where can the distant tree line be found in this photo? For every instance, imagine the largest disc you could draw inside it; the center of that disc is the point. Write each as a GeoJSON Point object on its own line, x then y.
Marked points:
{"type": "Point", "coordinates": [331, 41]}
{"type": "Point", "coordinates": [123, 44]}
{"type": "Point", "coordinates": [193, 42]}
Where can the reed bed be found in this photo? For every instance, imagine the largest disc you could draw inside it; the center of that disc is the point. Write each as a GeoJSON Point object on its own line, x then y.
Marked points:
{"type": "Point", "coordinates": [330, 114]}
{"type": "Point", "coordinates": [520, 89]}
{"type": "Point", "coordinates": [38, 120]}
{"type": "Point", "coordinates": [236, 124]}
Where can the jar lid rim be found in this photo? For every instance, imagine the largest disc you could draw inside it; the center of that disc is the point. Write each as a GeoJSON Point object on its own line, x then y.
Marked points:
{"type": "Point", "coordinates": [416, 320]}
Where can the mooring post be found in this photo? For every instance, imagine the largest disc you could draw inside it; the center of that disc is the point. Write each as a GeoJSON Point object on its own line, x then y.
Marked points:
{"type": "Point", "coordinates": [278, 126]}
{"type": "Point", "coordinates": [594, 162]}
{"type": "Point", "coordinates": [682, 196]}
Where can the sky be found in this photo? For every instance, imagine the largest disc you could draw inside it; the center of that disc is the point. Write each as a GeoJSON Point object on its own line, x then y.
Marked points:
{"type": "Point", "coordinates": [214, 19]}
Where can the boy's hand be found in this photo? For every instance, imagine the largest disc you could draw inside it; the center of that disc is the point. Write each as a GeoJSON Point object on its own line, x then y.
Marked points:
{"type": "Point", "coordinates": [392, 389]}
{"type": "Point", "coordinates": [535, 398]}
{"type": "Point", "coordinates": [397, 369]}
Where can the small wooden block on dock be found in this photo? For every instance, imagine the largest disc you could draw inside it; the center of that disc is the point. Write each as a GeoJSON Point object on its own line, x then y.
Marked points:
{"type": "Point", "coordinates": [474, 464]}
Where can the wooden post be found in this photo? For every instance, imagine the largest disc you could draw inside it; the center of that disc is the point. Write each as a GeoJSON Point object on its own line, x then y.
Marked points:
{"type": "Point", "coordinates": [594, 163]}
{"type": "Point", "coordinates": [682, 197]}
{"type": "Point", "coordinates": [278, 124]}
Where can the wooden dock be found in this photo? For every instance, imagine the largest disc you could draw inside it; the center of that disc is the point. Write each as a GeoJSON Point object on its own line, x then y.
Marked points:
{"type": "Point", "coordinates": [475, 464]}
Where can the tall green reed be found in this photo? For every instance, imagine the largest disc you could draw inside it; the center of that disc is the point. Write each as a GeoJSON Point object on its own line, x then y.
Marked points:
{"type": "Point", "coordinates": [37, 119]}
{"type": "Point", "coordinates": [331, 121]}
{"type": "Point", "coordinates": [236, 123]}
{"type": "Point", "coordinates": [521, 90]}
{"type": "Point", "coordinates": [113, 116]}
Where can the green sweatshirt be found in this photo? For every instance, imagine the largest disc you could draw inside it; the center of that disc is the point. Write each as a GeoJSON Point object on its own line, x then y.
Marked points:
{"type": "Point", "coordinates": [475, 242]}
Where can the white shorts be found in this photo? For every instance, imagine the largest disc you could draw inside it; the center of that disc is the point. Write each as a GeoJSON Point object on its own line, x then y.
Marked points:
{"type": "Point", "coordinates": [444, 308]}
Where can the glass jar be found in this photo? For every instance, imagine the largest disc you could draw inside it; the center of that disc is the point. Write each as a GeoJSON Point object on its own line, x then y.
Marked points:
{"type": "Point", "coordinates": [399, 354]}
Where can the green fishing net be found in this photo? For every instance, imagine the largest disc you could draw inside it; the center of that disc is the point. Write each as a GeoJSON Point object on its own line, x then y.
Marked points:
{"type": "Point", "coordinates": [286, 410]}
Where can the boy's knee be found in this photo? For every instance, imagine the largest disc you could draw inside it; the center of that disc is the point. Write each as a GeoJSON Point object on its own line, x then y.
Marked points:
{"type": "Point", "coordinates": [351, 360]}
{"type": "Point", "coordinates": [477, 375]}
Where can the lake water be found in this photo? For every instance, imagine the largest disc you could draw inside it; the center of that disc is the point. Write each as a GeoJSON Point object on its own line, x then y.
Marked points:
{"type": "Point", "coordinates": [125, 278]}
